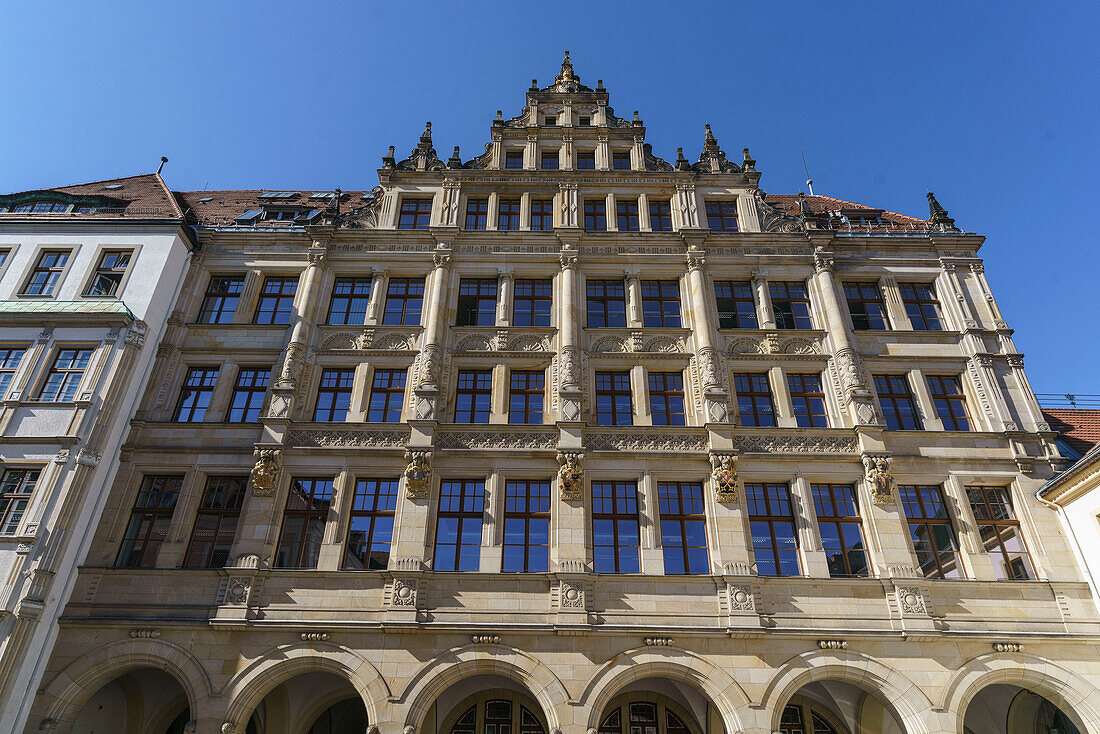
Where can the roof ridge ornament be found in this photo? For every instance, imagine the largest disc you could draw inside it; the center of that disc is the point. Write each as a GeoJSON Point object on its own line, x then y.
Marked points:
{"type": "Point", "coordinates": [712, 159]}
{"type": "Point", "coordinates": [937, 215]}
{"type": "Point", "coordinates": [423, 156]}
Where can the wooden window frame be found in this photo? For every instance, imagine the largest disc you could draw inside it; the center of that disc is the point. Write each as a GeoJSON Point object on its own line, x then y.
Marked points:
{"type": "Point", "coordinates": [529, 296]}
{"type": "Point", "coordinates": [160, 493]}
{"type": "Point", "coordinates": [222, 500]}
{"type": "Point", "coordinates": [771, 518]}
{"type": "Point", "coordinates": [17, 485]}
{"type": "Point", "coordinates": [477, 302]}
{"type": "Point", "coordinates": [467, 505]}
{"type": "Point", "coordinates": [595, 215]}
{"type": "Point", "coordinates": [621, 160]}
{"type": "Point", "coordinates": [473, 383]}
{"type": "Point", "coordinates": [791, 316]}
{"type": "Point", "coordinates": [508, 215]}
{"type": "Point", "coordinates": [750, 397]}
{"type": "Point", "coordinates": [614, 384]}
{"type": "Point", "coordinates": [586, 160]}
{"type": "Point", "coordinates": [993, 539]}
{"type": "Point", "coordinates": [513, 156]}
{"type": "Point", "coordinates": [888, 396]}
{"type": "Point", "coordinates": [666, 398]}
{"type": "Point", "coordinates": [922, 305]}
{"type": "Point", "coordinates": [306, 547]}
{"type": "Point", "coordinates": [335, 382]}
{"type": "Point", "coordinates": [866, 306]}
{"type": "Point", "coordinates": [221, 291]}
{"type": "Point", "coordinates": [810, 409]}
{"type": "Point", "coordinates": [280, 300]}
{"type": "Point", "coordinates": [477, 214]}
{"type": "Point", "coordinates": [626, 215]}
{"type": "Point", "coordinates": [51, 275]}
{"type": "Point", "coordinates": [729, 295]}
{"type": "Point", "coordinates": [915, 505]}
{"type": "Point", "coordinates": [526, 502]}
{"type": "Point", "coordinates": [71, 374]}
{"type": "Point", "coordinates": [252, 382]}
{"type": "Point", "coordinates": [950, 405]}
{"type": "Point", "coordinates": [348, 295]}
{"type": "Point", "coordinates": [832, 508]}
{"type": "Point", "coordinates": [660, 215]}
{"type": "Point", "coordinates": [115, 275]}
{"type": "Point", "coordinates": [373, 505]}
{"type": "Point", "coordinates": [415, 212]}
{"type": "Point", "coordinates": [549, 160]}
{"type": "Point", "coordinates": [682, 509]}
{"type": "Point", "coordinates": [384, 386]}
{"type": "Point", "coordinates": [661, 306]}
{"type": "Point", "coordinates": [616, 502]}
{"type": "Point", "coordinates": [722, 212]}
{"type": "Point", "coordinates": [527, 396]}
{"type": "Point", "coordinates": [542, 215]}
{"type": "Point", "coordinates": [11, 356]}
{"type": "Point", "coordinates": [403, 291]}
{"type": "Point", "coordinates": [596, 294]}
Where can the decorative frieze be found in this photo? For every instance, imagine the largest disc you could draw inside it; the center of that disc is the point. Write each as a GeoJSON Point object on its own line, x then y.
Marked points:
{"type": "Point", "coordinates": [799, 444]}
{"type": "Point", "coordinates": [663, 442]}
{"type": "Point", "coordinates": [485, 639]}
{"type": "Point", "coordinates": [314, 636]}
{"type": "Point", "coordinates": [833, 644]}
{"type": "Point", "coordinates": [658, 641]}
{"type": "Point", "coordinates": [1007, 647]}
{"type": "Point", "coordinates": [372, 438]}
{"type": "Point", "coordinates": [145, 633]}
{"type": "Point", "coordinates": [498, 439]}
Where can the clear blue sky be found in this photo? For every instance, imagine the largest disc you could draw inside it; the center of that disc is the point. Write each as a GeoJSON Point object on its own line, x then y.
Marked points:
{"type": "Point", "coordinates": [994, 106]}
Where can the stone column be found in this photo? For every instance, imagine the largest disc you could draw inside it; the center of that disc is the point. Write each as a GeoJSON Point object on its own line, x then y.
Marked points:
{"type": "Point", "coordinates": [377, 293]}
{"type": "Point", "coordinates": [929, 418]}
{"type": "Point", "coordinates": [531, 153]}
{"type": "Point", "coordinates": [525, 211]}
{"type": "Point", "coordinates": [633, 300]}
{"type": "Point", "coordinates": [784, 406]}
{"type": "Point", "coordinates": [504, 298]}
{"type": "Point", "coordinates": [567, 205]}
{"type": "Point", "coordinates": [651, 560]}
{"type": "Point", "coordinates": [569, 361]}
{"type": "Point", "coordinates": [858, 395]}
{"type": "Point", "coordinates": [765, 313]}
{"type": "Point", "coordinates": [815, 562]}
{"type": "Point", "coordinates": [603, 154]}
{"type": "Point", "coordinates": [448, 215]}
{"type": "Point", "coordinates": [429, 362]}
{"type": "Point", "coordinates": [979, 274]}
{"type": "Point", "coordinates": [895, 309]}
{"type": "Point", "coordinates": [612, 220]}
{"type": "Point", "coordinates": [687, 206]}
{"type": "Point", "coordinates": [707, 362]}
{"type": "Point", "coordinates": [954, 286]}
{"type": "Point", "coordinates": [493, 215]}
{"type": "Point", "coordinates": [644, 225]}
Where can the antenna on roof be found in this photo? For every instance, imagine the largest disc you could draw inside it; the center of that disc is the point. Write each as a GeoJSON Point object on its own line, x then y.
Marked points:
{"type": "Point", "coordinates": [809, 181]}
{"type": "Point", "coordinates": [163, 160]}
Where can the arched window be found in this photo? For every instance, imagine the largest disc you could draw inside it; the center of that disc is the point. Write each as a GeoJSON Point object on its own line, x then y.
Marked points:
{"type": "Point", "coordinates": [647, 714]}
{"type": "Point", "coordinates": [798, 712]}
{"type": "Point", "coordinates": [498, 715]}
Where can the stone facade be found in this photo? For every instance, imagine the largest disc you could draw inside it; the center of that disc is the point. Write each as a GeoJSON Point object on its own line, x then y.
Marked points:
{"type": "Point", "coordinates": [88, 275]}
{"type": "Point", "coordinates": [641, 400]}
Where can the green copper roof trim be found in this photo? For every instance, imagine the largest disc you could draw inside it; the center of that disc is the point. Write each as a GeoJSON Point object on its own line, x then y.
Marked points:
{"type": "Point", "coordinates": [66, 307]}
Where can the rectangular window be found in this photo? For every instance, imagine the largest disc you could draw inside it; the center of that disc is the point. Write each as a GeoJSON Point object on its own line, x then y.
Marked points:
{"type": "Point", "coordinates": [508, 215]}
{"type": "Point", "coordinates": [754, 400]}
{"type": "Point", "coordinates": [16, 488]}
{"type": "Point", "coordinates": [771, 521]}
{"type": "Point", "coordinates": [866, 306]}
{"type": "Point", "coordinates": [458, 529]}
{"type": "Point", "coordinates": [606, 303]}
{"type": "Point", "coordinates": [931, 532]}
{"type": "Point", "coordinates": [526, 526]}
{"type": "Point", "coordinates": [404, 298]}
{"type": "Point", "coordinates": [220, 300]}
{"type": "Point", "coordinates": [620, 160]}
{"type": "Point", "coordinates": [898, 406]}
{"type": "Point", "coordinates": [683, 527]}
{"type": "Point", "coordinates": [334, 396]}
{"type": "Point", "coordinates": [477, 302]}
{"type": "Point", "coordinates": [387, 396]}
{"type": "Point", "coordinates": [736, 304]}
{"type": "Point", "coordinates": [626, 215]}
{"type": "Point", "coordinates": [922, 306]}
{"type": "Point", "coordinates": [660, 216]}
{"type": "Point", "coordinates": [722, 216]}
{"type": "Point", "coordinates": [526, 397]}
{"type": "Point", "coordinates": [542, 215]}
{"type": "Point", "coordinates": [276, 300]}
{"type": "Point", "coordinates": [10, 357]}
{"type": "Point", "coordinates": [841, 529]}
{"type": "Point", "coordinates": [348, 306]}
{"type": "Point", "coordinates": [947, 395]}
{"type": "Point", "coordinates": [216, 523]}
{"type": "Point", "coordinates": [109, 272]}
{"type": "Point", "coordinates": [65, 375]}
{"type": "Point", "coordinates": [595, 215]}
{"type": "Point", "coordinates": [666, 398]}
{"type": "Point", "coordinates": [549, 160]}
{"type": "Point", "coordinates": [791, 303]}
{"type": "Point", "coordinates": [477, 213]}
{"type": "Point", "coordinates": [808, 398]}
{"type": "Point", "coordinates": [415, 213]}
{"type": "Point", "coordinates": [551, 121]}
{"type": "Point", "coordinates": [198, 388]}
{"type": "Point", "coordinates": [586, 160]}
{"type": "Point", "coordinates": [613, 403]}
{"type": "Point", "coordinates": [513, 159]}
{"type": "Point", "coordinates": [532, 302]}
{"type": "Point", "coordinates": [615, 538]}
{"type": "Point", "coordinates": [1000, 532]}
{"type": "Point", "coordinates": [661, 303]}
{"type": "Point", "coordinates": [149, 521]}
{"type": "Point", "coordinates": [248, 394]}
{"type": "Point", "coordinates": [47, 272]}
{"type": "Point", "coordinates": [473, 396]}
{"type": "Point", "coordinates": [370, 525]}
{"type": "Point", "coordinates": [307, 506]}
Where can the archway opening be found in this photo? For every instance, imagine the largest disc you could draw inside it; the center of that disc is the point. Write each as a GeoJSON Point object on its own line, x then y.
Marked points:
{"type": "Point", "coordinates": [485, 704]}
{"type": "Point", "coordinates": [1007, 709]}
{"type": "Point", "coordinates": [836, 707]}
{"type": "Point", "coordinates": [142, 701]}
{"type": "Point", "coordinates": [311, 703]}
{"type": "Point", "coordinates": [660, 706]}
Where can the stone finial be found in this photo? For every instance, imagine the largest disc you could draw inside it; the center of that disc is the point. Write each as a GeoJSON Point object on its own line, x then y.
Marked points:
{"type": "Point", "coordinates": [455, 161]}
{"type": "Point", "coordinates": [748, 164]}
{"type": "Point", "coordinates": [938, 215]}
{"type": "Point", "coordinates": [710, 143]}
{"type": "Point", "coordinates": [567, 68]}
{"type": "Point", "coordinates": [682, 162]}
{"type": "Point", "coordinates": [426, 136]}
{"type": "Point", "coordinates": [804, 209]}
{"type": "Point", "coordinates": [388, 160]}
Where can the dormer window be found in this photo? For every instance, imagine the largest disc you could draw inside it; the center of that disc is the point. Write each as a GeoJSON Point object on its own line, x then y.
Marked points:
{"type": "Point", "coordinates": [513, 159]}
{"type": "Point", "coordinates": [584, 121]}
{"type": "Point", "coordinates": [297, 215]}
{"type": "Point", "coordinates": [620, 160]}
{"type": "Point", "coordinates": [41, 207]}
{"type": "Point", "coordinates": [551, 120]}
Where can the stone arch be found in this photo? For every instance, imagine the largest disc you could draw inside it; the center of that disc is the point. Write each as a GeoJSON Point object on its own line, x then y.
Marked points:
{"type": "Point", "coordinates": [245, 691]}
{"type": "Point", "coordinates": [672, 663]}
{"type": "Point", "coordinates": [71, 688]}
{"type": "Point", "coordinates": [1076, 697]}
{"type": "Point", "coordinates": [441, 672]}
{"type": "Point", "coordinates": [912, 706]}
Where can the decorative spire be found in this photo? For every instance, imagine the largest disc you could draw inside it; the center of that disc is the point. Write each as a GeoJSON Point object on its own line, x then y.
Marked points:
{"type": "Point", "coordinates": [938, 215]}
{"type": "Point", "coordinates": [388, 160]}
{"type": "Point", "coordinates": [748, 164]}
{"type": "Point", "coordinates": [710, 143]}
{"type": "Point", "coordinates": [455, 161]}
{"type": "Point", "coordinates": [712, 159]}
{"type": "Point", "coordinates": [426, 136]}
{"type": "Point", "coordinates": [804, 209]}
{"type": "Point", "coordinates": [566, 68]}
{"type": "Point", "coordinates": [566, 81]}
{"type": "Point", "coordinates": [682, 162]}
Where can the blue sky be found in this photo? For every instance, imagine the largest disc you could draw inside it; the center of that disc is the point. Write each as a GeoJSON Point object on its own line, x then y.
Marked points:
{"type": "Point", "coordinates": [993, 106]}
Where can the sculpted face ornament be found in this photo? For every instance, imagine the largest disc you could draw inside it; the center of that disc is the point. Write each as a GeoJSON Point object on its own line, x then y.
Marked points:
{"type": "Point", "coordinates": [879, 479]}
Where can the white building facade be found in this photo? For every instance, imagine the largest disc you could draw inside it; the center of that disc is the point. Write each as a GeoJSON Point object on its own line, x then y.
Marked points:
{"type": "Point", "coordinates": [88, 275]}
{"type": "Point", "coordinates": [567, 439]}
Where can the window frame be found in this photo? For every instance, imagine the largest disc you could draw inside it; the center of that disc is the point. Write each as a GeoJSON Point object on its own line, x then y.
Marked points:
{"type": "Point", "coordinates": [187, 390]}
{"type": "Point", "coordinates": [860, 299]}
{"type": "Point", "coordinates": [420, 218]}
{"type": "Point", "coordinates": [54, 274]}
{"type": "Point", "coordinates": [665, 295]}
{"type": "Point", "coordinates": [277, 299]}
{"type": "Point", "coordinates": [828, 506]}
{"type": "Point", "coordinates": [623, 508]}
{"type": "Point", "coordinates": [61, 396]}
{"type": "Point", "coordinates": [302, 546]}
{"type": "Point", "coordinates": [544, 210]}
{"type": "Point", "coordinates": [805, 398]}
{"type": "Point", "coordinates": [470, 508]}
{"type": "Point", "coordinates": [621, 160]}
{"type": "Point", "coordinates": [745, 388]}
{"type": "Point", "coordinates": [222, 297]}
{"type": "Point", "coordinates": [251, 389]}
{"type": "Point", "coordinates": [16, 496]}
{"type": "Point", "coordinates": [674, 500]}
{"type": "Point", "coordinates": [511, 156]}
{"type": "Point", "coordinates": [996, 544]}
{"type": "Point", "coordinates": [527, 396]}
{"type": "Point", "coordinates": [735, 298]}
{"type": "Point", "coordinates": [470, 382]}
{"type": "Point", "coordinates": [98, 269]}
{"type": "Point", "coordinates": [222, 513]}
{"type": "Point", "coordinates": [349, 300]}
{"type": "Point", "coordinates": [518, 508]}
{"type": "Point", "coordinates": [541, 294]}
{"type": "Point", "coordinates": [772, 518]}
{"type": "Point", "coordinates": [662, 399]}
{"type": "Point", "coordinates": [8, 369]}
{"type": "Point", "coordinates": [664, 212]}
{"type": "Point", "coordinates": [919, 304]}
{"type": "Point", "coordinates": [477, 207]}
{"type": "Point", "coordinates": [595, 215]}
{"type": "Point", "coordinates": [409, 285]}
{"type": "Point", "coordinates": [157, 511]}
{"type": "Point", "coordinates": [552, 157]}
{"type": "Point", "coordinates": [951, 408]}
{"type": "Point", "coordinates": [613, 389]}
{"type": "Point", "coordinates": [780, 292]}
{"type": "Point", "coordinates": [627, 218]}
{"type": "Point", "coordinates": [344, 385]}
{"type": "Point", "coordinates": [509, 214]}
{"type": "Point", "coordinates": [388, 392]}
{"type": "Point", "coordinates": [378, 505]}
{"type": "Point", "coordinates": [602, 298]}
{"type": "Point", "coordinates": [723, 211]}
{"type": "Point", "coordinates": [907, 493]}
{"type": "Point", "coordinates": [895, 399]}
{"type": "Point", "coordinates": [473, 295]}
{"type": "Point", "coordinates": [585, 157]}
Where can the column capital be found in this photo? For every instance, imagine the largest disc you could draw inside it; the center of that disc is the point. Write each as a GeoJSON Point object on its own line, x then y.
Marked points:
{"type": "Point", "coordinates": [568, 256]}
{"type": "Point", "coordinates": [823, 260]}
{"type": "Point", "coordinates": [442, 255]}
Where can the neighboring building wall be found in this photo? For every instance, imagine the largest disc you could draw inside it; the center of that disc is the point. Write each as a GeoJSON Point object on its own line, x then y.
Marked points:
{"type": "Point", "coordinates": [74, 443]}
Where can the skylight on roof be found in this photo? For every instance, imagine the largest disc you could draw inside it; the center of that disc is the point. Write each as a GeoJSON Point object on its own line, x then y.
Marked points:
{"type": "Point", "coordinates": [322, 195]}
{"type": "Point", "coordinates": [208, 198]}
{"type": "Point", "coordinates": [279, 195]}
{"type": "Point", "coordinates": [113, 187]}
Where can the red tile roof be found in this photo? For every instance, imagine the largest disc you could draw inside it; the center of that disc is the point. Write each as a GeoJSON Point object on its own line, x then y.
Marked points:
{"type": "Point", "coordinates": [145, 196]}
{"type": "Point", "coordinates": [214, 208]}
{"type": "Point", "coordinates": [824, 204]}
{"type": "Point", "coordinates": [1079, 426]}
